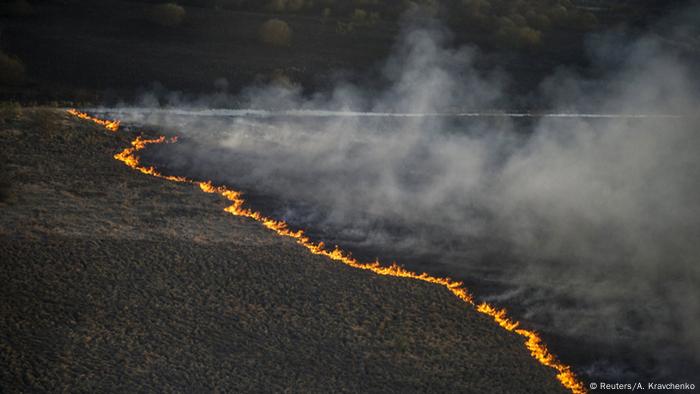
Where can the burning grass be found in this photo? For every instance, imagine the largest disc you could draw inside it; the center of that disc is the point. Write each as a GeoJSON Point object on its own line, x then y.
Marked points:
{"type": "Point", "coordinates": [533, 342]}
{"type": "Point", "coordinates": [111, 125]}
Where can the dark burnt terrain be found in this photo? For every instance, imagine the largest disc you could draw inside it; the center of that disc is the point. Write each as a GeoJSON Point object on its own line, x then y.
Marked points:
{"type": "Point", "coordinates": [117, 281]}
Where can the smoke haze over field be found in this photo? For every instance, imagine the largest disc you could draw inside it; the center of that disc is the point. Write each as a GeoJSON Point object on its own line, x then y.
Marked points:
{"type": "Point", "coordinates": [589, 226]}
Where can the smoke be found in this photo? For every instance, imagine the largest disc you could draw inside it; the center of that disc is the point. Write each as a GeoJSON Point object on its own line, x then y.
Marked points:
{"type": "Point", "coordinates": [587, 226]}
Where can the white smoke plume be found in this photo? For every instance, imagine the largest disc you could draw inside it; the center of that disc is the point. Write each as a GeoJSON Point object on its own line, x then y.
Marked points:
{"type": "Point", "coordinates": [588, 225]}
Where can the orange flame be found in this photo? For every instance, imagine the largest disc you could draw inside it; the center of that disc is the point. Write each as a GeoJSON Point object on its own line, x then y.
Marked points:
{"type": "Point", "coordinates": [533, 342]}
{"type": "Point", "coordinates": [128, 157]}
{"type": "Point", "coordinates": [111, 125]}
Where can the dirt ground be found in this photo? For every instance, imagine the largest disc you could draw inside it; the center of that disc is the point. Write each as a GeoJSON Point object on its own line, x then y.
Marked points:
{"type": "Point", "coordinates": [114, 281]}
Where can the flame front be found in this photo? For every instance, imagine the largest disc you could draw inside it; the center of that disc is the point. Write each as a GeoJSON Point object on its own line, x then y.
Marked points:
{"type": "Point", "coordinates": [111, 125]}
{"type": "Point", "coordinates": [533, 342]}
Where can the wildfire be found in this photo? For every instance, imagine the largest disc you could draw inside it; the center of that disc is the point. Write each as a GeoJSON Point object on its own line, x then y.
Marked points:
{"type": "Point", "coordinates": [128, 157]}
{"type": "Point", "coordinates": [111, 125]}
{"type": "Point", "coordinates": [533, 342]}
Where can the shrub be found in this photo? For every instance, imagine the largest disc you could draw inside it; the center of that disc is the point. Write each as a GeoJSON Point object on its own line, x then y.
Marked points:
{"type": "Point", "coordinates": [275, 32]}
{"type": "Point", "coordinates": [359, 15]}
{"type": "Point", "coordinates": [344, 27]}
{"type": "Point", "coordinates": [529, 37]}
{"type": "Point", "coordinates": [280, 79]}
{"type": "Point", "coordinates": [11, 71]}
{"type": "Point", "coordinates": [167, 14]}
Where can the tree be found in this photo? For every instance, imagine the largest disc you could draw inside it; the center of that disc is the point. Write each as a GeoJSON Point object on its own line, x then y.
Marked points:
{"type": "Point", "coordinates": [275, 32]}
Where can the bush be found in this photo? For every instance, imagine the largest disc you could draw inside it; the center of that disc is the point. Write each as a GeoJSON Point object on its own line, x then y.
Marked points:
{"type": "Point", "coordinates": [11, 71]}
{"type": "Point", "coordinates": [167, 14]}
{"type": "Point", "coordinates": [361, 17]}
{"type": "Point", "coordinates": [275, 32]}
{"type": "Point", "coordinates": [280, 79]}
{"type": "Point", "coordinates": [529, 37]}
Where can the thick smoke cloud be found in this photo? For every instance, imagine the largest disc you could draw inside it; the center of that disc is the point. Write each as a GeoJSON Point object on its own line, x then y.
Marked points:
{"type": "Point", "coordinates": [588, 226]}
